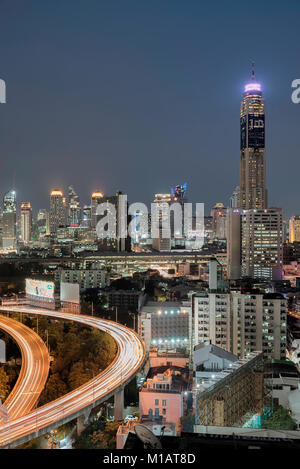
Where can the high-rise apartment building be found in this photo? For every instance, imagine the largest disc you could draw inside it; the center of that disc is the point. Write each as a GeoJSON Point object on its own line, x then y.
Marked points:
{"type": "Point", "coordinates": [241, 322]}
{"type": "Point", "coordinates": [57, 211]}
{"type": "Point", "coordinates": [9, 220]}
{"type": "Point", "coordinates": [26, 222]}
{"type": "Point", "coordinates": [261, 249]}
{"type": "Point", "coordinates": [252, 193]}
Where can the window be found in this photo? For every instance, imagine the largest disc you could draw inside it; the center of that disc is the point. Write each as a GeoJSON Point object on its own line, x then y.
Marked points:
{"type": "Point", "coordinates": [164, 402]}
{"type": "Point", "coordinates": [156, 402]}
{"type": "Point", "coordinates": [164, 411]}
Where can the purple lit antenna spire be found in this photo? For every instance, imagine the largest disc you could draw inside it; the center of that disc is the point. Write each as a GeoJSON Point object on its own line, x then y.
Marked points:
{"type": "Point", "coordinates": [253, 85]}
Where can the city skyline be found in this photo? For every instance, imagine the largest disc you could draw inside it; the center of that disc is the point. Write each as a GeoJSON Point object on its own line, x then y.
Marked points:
{"type": "Point", "coordinates": [165, 112]}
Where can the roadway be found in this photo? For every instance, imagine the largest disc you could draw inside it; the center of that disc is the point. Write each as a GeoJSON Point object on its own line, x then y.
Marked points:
{"type": "Point", "coordinates": [129, 359]}
{"type": "Point", "coordinates": [34, 368]}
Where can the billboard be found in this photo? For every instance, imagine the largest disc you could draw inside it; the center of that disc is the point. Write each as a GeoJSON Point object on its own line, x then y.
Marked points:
{"type": "Point", "coordinates": [69, 292]}
{"type": "Point", "coordinates": [40, 289]}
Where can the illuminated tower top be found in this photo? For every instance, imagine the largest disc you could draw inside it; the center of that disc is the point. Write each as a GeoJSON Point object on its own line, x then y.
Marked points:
{"type": "Point", "coordinates": [253, 192]}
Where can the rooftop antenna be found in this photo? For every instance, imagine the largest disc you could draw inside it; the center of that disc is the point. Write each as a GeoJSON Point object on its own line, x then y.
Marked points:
{"type": "Point", "coordinates": [252, 70]}
{"type": "Point", "coordinates": [14, 180]}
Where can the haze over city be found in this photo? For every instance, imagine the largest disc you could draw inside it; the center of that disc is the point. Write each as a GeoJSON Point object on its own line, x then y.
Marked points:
{"type": "Point", "coordinates": [98, 92]}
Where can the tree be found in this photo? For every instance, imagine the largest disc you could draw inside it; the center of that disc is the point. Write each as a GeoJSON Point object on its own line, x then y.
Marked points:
{"type": "Point", "coordinates": [188, 422]}
{"type": "Point", "coordinates": [78, 375]}
{"type": "Point", "coordinates": [4, 386]}
{"type": "Point", "coordinates": [106, 439]}
{"type": "Point", "coordinates": [55, 388]}
{"type": "Point", "coordinates": [281, 420]}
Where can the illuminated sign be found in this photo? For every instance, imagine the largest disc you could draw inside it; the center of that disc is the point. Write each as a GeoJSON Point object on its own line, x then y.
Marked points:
{"type": "Point", "coordinates": [39, 288]}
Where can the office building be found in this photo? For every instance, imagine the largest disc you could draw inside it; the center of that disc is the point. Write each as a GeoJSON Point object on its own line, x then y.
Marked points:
{"type": "Point", "coordinates": [252, 193]}
{"type": "Point", "coordinates": [9, 220]}
{"type": "Point", "coordinates": [26, 222]}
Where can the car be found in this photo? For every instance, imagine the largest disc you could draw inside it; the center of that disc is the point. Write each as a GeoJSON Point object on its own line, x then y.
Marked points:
{"type": "Point", "coordinates": [129, 417]}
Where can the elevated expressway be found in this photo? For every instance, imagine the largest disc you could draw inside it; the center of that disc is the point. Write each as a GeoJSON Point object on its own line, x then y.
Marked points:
{"type": "Point", "coordinates": [34, 369]}
{"type": "Point", "coordinates": [129, 359]}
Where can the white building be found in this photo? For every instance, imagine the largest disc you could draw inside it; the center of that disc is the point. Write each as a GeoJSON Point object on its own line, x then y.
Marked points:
{"type": "Point", "coordinates": [165, 325]}
{"type": "Point", "coordinates": [212, 358]}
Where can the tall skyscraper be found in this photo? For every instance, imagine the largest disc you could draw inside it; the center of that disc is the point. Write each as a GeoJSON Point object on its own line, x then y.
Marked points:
{"type": "Point", "coordinates": [97, 198]}
{"type": "Point", "coordinates": [57, 211]}
{"type": "Point", "coordinates": [118, 239]}
{"type": "Point", "coordinates": [9, 220]}
{"type": "Point", "coordinates": [252, 193]}
{"type": "Point", "coordinates": [26, 222]}
{"type": "Point", "coordinates": [73, 207]}
{"type": "Point", "coordinates": [162, 242]}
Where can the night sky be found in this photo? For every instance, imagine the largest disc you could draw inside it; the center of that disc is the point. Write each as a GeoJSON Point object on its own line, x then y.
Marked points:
{"type": "Point", "coordinates": [143, 95]}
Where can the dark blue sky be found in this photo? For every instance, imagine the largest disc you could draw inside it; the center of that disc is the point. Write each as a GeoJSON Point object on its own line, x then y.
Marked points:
{"type": "Point", "coordinates": [142, 95]}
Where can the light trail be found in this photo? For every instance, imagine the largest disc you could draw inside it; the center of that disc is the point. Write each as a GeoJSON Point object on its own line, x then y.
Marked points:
{"type": "Point", "coordinates": [129, 359]}
{"type": "Point", "coordinates": [34, 369]}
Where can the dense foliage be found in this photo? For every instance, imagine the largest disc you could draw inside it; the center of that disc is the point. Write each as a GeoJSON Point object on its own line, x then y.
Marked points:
{"type": "Point", "coordinates": [78, 353]}
{"type": "Point", "coordinates": [280, 420]}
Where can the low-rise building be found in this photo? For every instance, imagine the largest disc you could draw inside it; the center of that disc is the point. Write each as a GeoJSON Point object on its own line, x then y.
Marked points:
{"type": "Point", "coordinates": [228, 396]}
{"type": "Point", "coordinates": [86, 278]}
{"type": "Point", "coordinates": [161, 396]}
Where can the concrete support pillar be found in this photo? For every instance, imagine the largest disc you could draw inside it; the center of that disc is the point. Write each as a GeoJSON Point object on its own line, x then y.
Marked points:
{"type": "Point", "coordinates": [82, 421]}
{"type": "Point", "coordinates": [80, 424]}
{"type": "Point", "coordinates": [119, 405]}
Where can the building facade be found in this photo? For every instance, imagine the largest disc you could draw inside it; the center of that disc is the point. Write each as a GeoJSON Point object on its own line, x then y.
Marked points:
{"type": "Point", "coordinates": [261, 250]}
{"type": "Point", "coordinates": [241, 323]}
